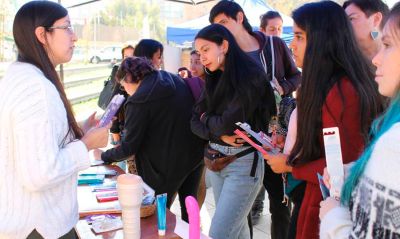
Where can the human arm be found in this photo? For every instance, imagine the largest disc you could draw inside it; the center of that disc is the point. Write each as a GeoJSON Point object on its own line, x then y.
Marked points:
{"type": "Point", "coordinates": [278, 162]}
{"type": "Point", "coordinates": [44, 156]}
{"type": "Point", "coordinates": [136, 122]}
{"type": "Point", "coordinates": [335, 220]}
{"type": "Point", "coordinates": [346, 116]}
{"type": "Point", "coordinates": [225, 123]}
{"type": "Point", "coordinates": [197, 124]}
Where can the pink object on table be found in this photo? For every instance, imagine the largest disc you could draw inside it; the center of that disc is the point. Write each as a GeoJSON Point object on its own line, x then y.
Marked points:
{"type": "Point", "coordinates": [251, 142]}
{"type": "Point", "coordinates": [193, 211]}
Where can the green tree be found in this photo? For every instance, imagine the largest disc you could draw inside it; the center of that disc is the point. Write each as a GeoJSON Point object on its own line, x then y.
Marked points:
{"type": "Point", "coordinates": [133, 14]}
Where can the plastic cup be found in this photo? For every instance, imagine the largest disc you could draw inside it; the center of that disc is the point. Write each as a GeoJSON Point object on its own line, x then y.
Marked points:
{"type": "Point", "coordinates": [130, 193]}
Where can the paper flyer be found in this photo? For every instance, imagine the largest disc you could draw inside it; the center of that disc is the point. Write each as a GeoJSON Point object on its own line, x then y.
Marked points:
{"type": "Point", "coordinates": [111, 110]}
{"type": "Point", "coordinates": [334, 161]}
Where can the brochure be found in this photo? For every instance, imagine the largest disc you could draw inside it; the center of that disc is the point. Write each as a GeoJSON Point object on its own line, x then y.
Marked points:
{"type": "Point", "coordinates": [111, 110]}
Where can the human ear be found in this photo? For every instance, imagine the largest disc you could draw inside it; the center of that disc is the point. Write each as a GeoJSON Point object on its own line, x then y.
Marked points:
{"type": "Point", "coordinates": [40, 33]}
{"type": "Point", "coordinates": [225, 46]}
{"type": "Point", "coordinates": [377, 19]}
{"type": "Point", "coordinates": [239, 17]}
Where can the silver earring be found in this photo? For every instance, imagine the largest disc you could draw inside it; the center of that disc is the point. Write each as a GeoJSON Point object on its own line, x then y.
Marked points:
{"type": "Point", "coordinates": [374, 34]}
{"type": "Point", "coordinates": [206, 71]}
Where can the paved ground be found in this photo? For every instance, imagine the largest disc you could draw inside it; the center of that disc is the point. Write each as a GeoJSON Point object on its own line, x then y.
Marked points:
{"type": "Point", "coordinates": [261, 230]}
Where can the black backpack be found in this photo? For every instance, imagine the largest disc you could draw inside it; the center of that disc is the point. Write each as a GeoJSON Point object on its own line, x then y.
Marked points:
{"type": "Point", "coordinates": [111, 88]}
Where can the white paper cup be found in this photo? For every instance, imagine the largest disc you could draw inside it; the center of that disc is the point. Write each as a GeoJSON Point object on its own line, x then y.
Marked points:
{"type": "Point", "coordinates": [130, 198]}
{"type": "Point", "coordinates": [131, 235]}
{"type": "Point", "coordinates": [134, 227]}
{"type": "Point", "coordinates": [130, 190]}
{"type": "Point", "coordinates": [131, 219]}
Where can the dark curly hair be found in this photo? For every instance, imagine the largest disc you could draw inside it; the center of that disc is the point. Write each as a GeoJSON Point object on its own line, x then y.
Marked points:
{"type": "Point", "coordinates": [136, 67]}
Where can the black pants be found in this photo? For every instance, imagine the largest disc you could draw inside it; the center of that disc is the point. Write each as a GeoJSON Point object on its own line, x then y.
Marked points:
{"type": "Point", "coordinates": [296, 197]}
{"type": "Point", "coordinates": [70, 235]}
{"type": "Point", "coordinates": [188, 187]}
{"type": "Point", "coordinates": [280, 213]}
{"type": "Point", "coordinates": [258, 204]}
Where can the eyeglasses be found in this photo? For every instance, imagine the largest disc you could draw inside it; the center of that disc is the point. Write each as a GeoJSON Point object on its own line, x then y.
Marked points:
{"type": "Point", "coordinates": [69, 28]}
{"type": "Point", "coordinates": [122, 79]}
{"type": "Point", "coordinates": [121, 87]}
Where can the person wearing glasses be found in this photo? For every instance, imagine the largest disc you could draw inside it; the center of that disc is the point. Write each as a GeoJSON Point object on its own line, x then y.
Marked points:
{"type": "Point", "coordinates": [42, 148]}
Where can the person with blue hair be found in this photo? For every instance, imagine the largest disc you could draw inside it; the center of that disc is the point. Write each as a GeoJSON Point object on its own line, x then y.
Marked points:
{"type": "Point", "coordinates": [370, 200]}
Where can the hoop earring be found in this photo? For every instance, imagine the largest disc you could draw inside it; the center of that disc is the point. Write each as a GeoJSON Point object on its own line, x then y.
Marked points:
{"type": "Point", "coordinates": [374, 34]}
{"type": "Point", "coordinates": [206, 71]}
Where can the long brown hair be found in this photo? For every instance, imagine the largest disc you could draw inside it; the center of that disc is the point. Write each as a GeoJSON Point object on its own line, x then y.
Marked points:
{"type": "Point", "coordinates": [30, 16]}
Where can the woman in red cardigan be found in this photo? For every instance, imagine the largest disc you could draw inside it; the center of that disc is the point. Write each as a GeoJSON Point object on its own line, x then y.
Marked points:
{"type": "Point", "coordinates": [337, 90]}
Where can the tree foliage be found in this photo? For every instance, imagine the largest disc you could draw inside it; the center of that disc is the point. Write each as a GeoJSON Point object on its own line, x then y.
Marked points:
{"type": "Point", "coordinates": [133, 14]}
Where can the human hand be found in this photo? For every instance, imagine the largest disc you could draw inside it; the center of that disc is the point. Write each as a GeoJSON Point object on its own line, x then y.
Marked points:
{"type": "Point", "coordinates": [89, 123]}
{"type": "Point", "coordinates": [97, 154]}
{"type": "Point", "coordinates": [278, 86]}
{"type": "Point", "coordinates": [326, 176]}
{"type": "Point", "coordinates": [327, 205]}
{"type": "Point", "coordinates": [96, 137]}
{"type": "Point", "coordinates": [232, 140]}
{"type": "Point", "coordinates": [278, 162]}
{"type": "Point", "coordinates": [278, 140]}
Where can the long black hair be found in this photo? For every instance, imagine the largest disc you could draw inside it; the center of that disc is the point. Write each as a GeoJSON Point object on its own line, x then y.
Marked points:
{"type": "Point", "coordinates": [240, 78]}
{"type": "Point", "coordinates": [331, 54]}
{"type": "Point", "coordinates": [42, 14]}
{"type": "Point", "coordinates": [147, 48]}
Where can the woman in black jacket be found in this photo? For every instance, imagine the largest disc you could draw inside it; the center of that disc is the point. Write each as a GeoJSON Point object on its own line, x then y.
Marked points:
{"type": "Point", "coordinates": [236, 90]}
{"type": "Point", "coordinates": [157, 131]}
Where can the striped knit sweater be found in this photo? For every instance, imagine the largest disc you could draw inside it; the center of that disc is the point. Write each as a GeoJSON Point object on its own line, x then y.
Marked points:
{"type": "Point", "coordinates": [38, 175]}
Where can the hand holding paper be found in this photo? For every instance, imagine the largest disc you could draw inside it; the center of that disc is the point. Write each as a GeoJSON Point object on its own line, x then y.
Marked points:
{"type": "Point", "coordinates": [334, 161]}
{"type": "Point", "coordinates": [278, 162]}
{"type": "Point", "coordinates": [251, 142]}
{"type": "Point", "coordinates": [261, 137]}
{"type": "Point", "coordinates": [89, 123]}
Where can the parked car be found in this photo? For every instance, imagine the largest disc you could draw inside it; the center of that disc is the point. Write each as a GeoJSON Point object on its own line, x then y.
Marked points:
{"type": "Point", "coordinates": [111, 53]}
{"type": "Point", "coordinates": [80, 55]}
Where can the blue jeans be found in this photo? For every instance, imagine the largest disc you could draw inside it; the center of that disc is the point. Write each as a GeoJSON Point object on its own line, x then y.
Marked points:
{"type": "Point", "coordinates": [234, 193]}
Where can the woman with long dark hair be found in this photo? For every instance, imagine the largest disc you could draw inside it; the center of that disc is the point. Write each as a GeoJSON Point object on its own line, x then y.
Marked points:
{"type": "Point", "coordinates": [236, 90]}
{"type": "Point", "coordinates": [337, 90]}
{"type": "Point", "coordinates": [42, 147]}
{"type": "Point", "coordinates": [152, 50]}
{"type": "Point", "coordinates": [370, 196]}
